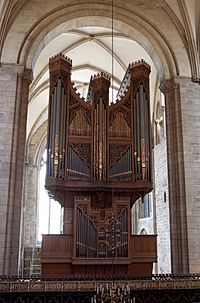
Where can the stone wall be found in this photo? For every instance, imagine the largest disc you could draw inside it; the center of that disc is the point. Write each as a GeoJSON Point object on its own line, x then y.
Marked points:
{"type": "Point", "coordinates": [14, 87]}
{"type": "Point", "coordinates": [183, 134]}
{"type": "Point", "coordinates": [30, 206]}
{"type": "Point", "coordinates": [35, 148]}
{"type": "Point", "coordinates": [159, 220]}
{"type": "Point", "coordinates": [190, 109]}
{"type": "Point", "coordinates": [30, 263]}
{"type": "Point", "coordinates": [162, 207]}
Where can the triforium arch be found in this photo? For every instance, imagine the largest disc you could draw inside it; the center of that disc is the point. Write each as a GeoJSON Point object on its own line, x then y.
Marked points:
{"type": "Point", "coordinates": [155, 39]}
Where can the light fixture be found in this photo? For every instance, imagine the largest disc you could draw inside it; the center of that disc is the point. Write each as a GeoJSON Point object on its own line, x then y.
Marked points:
{"type": "Point", "coordinates": [113, 293]}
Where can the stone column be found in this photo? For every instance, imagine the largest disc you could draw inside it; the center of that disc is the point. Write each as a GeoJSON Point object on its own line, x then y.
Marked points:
{"type": "Point", "coordinates": [14, 88]}
{"type": "Point", "coordinates": [183, 143]}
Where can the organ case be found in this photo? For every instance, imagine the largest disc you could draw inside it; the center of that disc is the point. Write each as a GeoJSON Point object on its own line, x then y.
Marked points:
{"type": "Point", "coordinates": [98, 165]}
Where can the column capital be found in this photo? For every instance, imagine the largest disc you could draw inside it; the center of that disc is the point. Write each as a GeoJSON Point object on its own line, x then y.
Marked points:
{"type": "Point", "coordinates": [168, 85]}
{"type": "Point", "coordinates": [175, 83]}
{"type": "Point", "coordinates": [196, 79]}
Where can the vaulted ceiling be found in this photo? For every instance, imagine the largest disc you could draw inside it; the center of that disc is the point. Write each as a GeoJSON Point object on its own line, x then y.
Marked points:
{"type": "Point", "coordinates": [90, 47]}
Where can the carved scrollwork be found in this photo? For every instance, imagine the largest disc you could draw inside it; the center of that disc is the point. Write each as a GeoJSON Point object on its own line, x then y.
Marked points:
{"type": "Point", "coordinates": [88, 114]}
{"type": "Point", "coordinates": [116, 151]}
{"type": "Point", "coordinates": [73, 112]}
{"type": "Point", "coordinates": [144, 82]}
{"type": "Point", "coordinates": [113, 116]}
{"type": "Point", "coordinates": [83, 151]}
{"type": "Point", "coordinates": [53, 80]}
{"type": "Point", "coordinates": [120, 208]}
{"type": "Point", "coordinates": [83, 207]}
{"type": "Point", "coordinates": [73, 101]}
{"type": "Point", "coordinates": [64, 76]}
{"type": "Point", "coordinates": [79, 121]}
{"type": "Point", "coordinates": [128, 104]}
{"type": "Point", "coordinates": [75, 107]}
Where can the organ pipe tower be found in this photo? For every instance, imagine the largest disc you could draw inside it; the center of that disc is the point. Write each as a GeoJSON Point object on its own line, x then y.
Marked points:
{"type": "Point", "coordinates": [98, 165]}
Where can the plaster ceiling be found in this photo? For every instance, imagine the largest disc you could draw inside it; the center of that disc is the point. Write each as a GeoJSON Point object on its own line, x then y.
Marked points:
{"type": "Point", "coordinates": [90, 49]}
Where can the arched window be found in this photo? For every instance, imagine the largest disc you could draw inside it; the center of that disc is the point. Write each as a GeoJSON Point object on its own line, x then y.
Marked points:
{"type": "Point", "coordinates": [49, 210]}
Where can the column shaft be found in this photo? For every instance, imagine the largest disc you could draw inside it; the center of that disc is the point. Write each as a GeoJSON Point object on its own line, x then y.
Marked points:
{"type": "Point", "coordinates": [14, 88]}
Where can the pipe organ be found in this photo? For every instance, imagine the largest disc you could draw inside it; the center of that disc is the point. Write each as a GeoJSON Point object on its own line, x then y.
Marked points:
{"type": "Point", "coordinates": [99, 164]}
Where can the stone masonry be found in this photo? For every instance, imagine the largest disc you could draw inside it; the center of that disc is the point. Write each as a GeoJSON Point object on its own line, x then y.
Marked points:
{"type": "Point", "coordinates": [14, 85]}
{"type": "Point", "coordinates": [162, 207]}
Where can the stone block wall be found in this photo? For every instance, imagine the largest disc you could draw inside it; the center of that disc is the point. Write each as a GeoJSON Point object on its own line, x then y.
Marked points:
{"type": "Point", "coordinates": [14, 85]}
{"type": "Point", "coordinates": [35, 147]}
{"type": "Point", "coordinates": [31, 262]}
{"type": "Point", "coordinates": [7, 112]}
{"type": "Point", "coordinates": [162, 207]}
{"type": "Point", "coordinates": [30, 206]}
{"type": "Point", "coordinates": [190, 110]}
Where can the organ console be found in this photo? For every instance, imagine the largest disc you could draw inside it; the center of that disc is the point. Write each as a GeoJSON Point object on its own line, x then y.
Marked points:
{"type": "Point", "coordinates": [98, 165]}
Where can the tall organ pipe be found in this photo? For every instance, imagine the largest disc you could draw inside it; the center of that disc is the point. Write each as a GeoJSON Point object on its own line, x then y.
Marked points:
{"type": "Point", "coordinates": [57, 137]}
{"type": "Point", "coordinates": [50, 138]}
{"type": "Point", "coordinates": [61, 134]}
{"type": "Point", "coordinates": [138, 135]}
{"type": "Point", "coordinates": [147, 138]}
{"type": "Point", "coordinates": [64, 136]}
{"type": "Point", "coordinates": [142, 113]}
{"type": "Point", "coordinates": [53, 130]}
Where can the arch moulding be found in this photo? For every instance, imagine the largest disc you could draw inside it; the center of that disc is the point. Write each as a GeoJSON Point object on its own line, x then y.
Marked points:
{"type": "Point", "coordinates": [68, 17]}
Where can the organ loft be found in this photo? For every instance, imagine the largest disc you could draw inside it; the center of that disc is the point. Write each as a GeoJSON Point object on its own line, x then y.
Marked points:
{"type": "Point", "coordinates": [98, 165]}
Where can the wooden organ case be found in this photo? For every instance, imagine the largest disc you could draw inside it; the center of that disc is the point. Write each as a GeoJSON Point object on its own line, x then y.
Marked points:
{"type": "Point", "coordinates": [98, 165]}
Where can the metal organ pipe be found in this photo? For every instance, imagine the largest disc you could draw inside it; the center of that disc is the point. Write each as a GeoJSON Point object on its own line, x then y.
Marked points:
{"type": "Point", "coordinates": [64, 145]}
{"type": "Point", "coordinates": [134, 140]}
{"type": "Point", "coordinates": [53, 129]}
{"type": "Point", "coordinates": [57, 137]}
{"type": "Point", "coordinates": [138, 136]}
{"type": "Point", "coordinates": [49, 158]}
{"type": "Point", "coordinates": [145, 133]}
{"type": "Point", "coordinates": [142, 139]}
{"type": "Point", "coordinates": [122, 169]}
{"type": "Point", "coordinates": [142, 122]}
{"type": "Point", "coordinates": [147, 138]}
{"type": "Point", "coordinates": [61, 135]}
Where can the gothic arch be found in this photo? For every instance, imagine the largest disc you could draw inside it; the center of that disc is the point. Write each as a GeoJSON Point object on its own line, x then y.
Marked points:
{"type": "Point", "coordinates": [147, 30]}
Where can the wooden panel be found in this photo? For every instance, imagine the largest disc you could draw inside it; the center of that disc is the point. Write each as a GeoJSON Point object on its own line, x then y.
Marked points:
{"type": "Point", "coordinates": [143, 246]}
{"type": "Point", "coordinates": [140, 269]}
{"type": "Point", "coordinates": [56, 269]}
{"type": "Point", "coordinates": [59, 245]}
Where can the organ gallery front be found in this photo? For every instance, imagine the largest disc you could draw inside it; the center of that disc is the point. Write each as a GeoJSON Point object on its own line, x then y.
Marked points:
{"type": "Point", "coordinates": [98, 165]}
